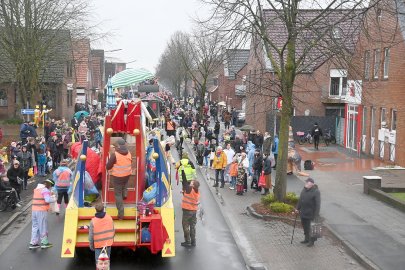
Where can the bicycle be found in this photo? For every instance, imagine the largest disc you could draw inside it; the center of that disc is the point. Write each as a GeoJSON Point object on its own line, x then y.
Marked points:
{"type": "Point", "coordinates": [329, 138]}
{"type": "Point", "coordinates": [303, 138]}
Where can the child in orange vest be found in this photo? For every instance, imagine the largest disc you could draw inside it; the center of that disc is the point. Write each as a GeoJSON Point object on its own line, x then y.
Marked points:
{"type": "Point", "coordinates": [233, 172]}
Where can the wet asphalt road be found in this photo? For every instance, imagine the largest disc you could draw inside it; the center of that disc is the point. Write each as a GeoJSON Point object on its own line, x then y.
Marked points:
{"type": "Point", "coordinates": [216, 247]}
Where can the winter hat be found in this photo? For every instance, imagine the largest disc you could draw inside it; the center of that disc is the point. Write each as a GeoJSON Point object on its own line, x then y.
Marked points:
{"type": "Point", "coordinates": [53, 133]}
{"type": "Point", "coordinates": [310, 180]}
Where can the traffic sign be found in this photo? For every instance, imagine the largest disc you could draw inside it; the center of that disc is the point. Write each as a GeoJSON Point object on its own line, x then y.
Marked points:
{"type": "Point", "coordinates": [27, 111]}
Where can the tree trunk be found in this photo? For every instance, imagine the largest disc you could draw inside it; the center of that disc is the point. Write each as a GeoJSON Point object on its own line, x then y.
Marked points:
{"type": "Point", "coordinates": [287, 79]}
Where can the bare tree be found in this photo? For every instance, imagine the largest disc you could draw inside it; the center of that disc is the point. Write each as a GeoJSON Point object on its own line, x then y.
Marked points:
{"type": "Point", "coordinates": [32, 35]}
{"type": "Point", "coordinates": [295, 39]}
{"type": "Point", "coordinates": [202, 55]}
{"type": "Point", "coordinates": [171, 69]}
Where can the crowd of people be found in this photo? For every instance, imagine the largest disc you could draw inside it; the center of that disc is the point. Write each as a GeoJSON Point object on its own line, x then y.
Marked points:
{"type": "Point", "coordinates": [40, 152]}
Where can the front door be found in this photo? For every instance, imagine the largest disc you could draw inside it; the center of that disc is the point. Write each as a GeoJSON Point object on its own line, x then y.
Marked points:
{"type": "Point", "coordinates": [351, 132]}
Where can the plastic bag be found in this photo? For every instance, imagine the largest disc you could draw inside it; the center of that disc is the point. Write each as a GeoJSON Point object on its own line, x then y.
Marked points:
{"type": "Point", "coordinates": [262, 180]}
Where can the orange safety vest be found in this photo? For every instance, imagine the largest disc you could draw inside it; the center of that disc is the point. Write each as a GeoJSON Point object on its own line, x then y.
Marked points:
{"type": "Point", "coordinates": [122, 167]}
{"type": "Point", "coordinates": [190, 200]}
{"type": "Point", "coordinates": [103, 231]}
{"type": "Point", "coordinates": [38, 201]}
{"type": "Point", "coordinates": [63, 179]}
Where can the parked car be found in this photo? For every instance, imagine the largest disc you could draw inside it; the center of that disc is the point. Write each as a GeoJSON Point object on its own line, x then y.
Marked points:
{"type": "Point", "coordinates": [241, 118]}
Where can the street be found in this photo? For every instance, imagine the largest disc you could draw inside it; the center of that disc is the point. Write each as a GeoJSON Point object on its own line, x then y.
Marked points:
{"type": "Point", "coordinates": [216, 247]}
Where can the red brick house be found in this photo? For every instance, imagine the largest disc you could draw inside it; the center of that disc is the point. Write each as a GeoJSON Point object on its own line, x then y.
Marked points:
{"type": "Point", "coordinates": [97, 70]}
{"type": "Point", "coordinates": [380, 52]}
{"type": "Point", "coordinates": [320, 87]}
{"type": "Point", "coordinates": [57, 82]}
{"type": "Point", "coordinates": [83, 64]}
{"type": "Point", "coordinates": [231, 79]}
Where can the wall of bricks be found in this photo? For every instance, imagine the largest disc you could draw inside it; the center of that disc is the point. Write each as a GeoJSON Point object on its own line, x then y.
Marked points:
{"type": "Point", "coordinates": [383, 92]}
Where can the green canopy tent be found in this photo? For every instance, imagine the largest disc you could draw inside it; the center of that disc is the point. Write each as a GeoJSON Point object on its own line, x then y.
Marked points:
{"type": "Point", "coordinates": [130, 76]}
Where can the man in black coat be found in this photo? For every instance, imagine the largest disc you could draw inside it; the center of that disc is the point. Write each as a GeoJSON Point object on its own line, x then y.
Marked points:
{"type": "Point", "coordinates": [308, 206]}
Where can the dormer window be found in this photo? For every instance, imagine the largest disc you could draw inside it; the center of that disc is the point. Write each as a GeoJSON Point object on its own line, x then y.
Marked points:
{"type": "Point", "coordinates": [337, 33]}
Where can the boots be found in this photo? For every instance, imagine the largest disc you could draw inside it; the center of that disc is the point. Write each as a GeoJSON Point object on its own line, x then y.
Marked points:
{"type": "Point", "coordinates": [216, 184]}
{"type": "Point", "coordinates": [306, 241]}
{"type": "Point", "coordinates": [266, 191]}
{"type": "Point", "coordinates": [311, 242]}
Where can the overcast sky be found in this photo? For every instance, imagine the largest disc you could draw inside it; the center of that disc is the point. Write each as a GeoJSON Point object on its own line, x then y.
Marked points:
{"type": "Point", "coordinates": [142, 28]}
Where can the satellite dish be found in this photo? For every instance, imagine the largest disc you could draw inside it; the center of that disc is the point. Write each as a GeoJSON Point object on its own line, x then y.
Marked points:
{"type": "Point", "coordinates": [306, 113]}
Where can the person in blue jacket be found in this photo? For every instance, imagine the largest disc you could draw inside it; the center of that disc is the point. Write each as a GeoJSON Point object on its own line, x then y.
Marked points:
{"type": "Point", "coordinates": [274, 150]}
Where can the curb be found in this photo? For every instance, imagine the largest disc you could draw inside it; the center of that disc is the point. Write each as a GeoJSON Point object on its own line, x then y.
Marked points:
{"type": "Point", "coordinates": [354, 252]}
{"type": "Point", "coordinates": [249, 266]}
{"type": "Point", "coordinates": [14, 217]}
{"type": "Point", "coordinates": [265, 217]}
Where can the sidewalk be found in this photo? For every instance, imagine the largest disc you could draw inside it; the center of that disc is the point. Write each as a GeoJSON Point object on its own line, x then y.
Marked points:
{"type": "Point", "coordinates": [266, 244]}
{"type": "Point", "coordinates": [372, 227]}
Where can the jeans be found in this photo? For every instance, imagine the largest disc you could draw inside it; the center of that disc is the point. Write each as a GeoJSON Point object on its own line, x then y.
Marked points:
{"type": "Point", "coordinates": [206, 160]}
{"type": "Point", "coordinates": [41, 170]}
{"type": "Point", "coordinates": [233, 181]}
{"type": "Point", "coordinates": [227, 176]}
{"type": "Point", "coordinates": [217, 174]}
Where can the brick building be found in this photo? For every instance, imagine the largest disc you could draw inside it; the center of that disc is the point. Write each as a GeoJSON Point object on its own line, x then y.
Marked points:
{"type": "Point", "coordinates": [320, 87]}
{"type": "Point", "coordinates": [381, 50]}
{"type": "Point", "coordinates": [98, 74]}
{"type": "Point", "coordinates": [231, 79]}
{"type": "Point", "coordinates": [57, 81]}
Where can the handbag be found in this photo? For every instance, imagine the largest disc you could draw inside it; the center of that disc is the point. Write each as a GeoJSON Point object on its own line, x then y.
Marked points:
{"type": "Point", "coordinates": [31, 172]}
{"type": "Point", "coordinates": [262, 180]}
{"type": "Point", "coordinates": [316, 230]}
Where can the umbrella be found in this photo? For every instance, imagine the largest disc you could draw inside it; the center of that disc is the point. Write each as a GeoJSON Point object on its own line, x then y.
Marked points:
{"type": "Point", "coordinates": [222, 103]}
{"type": "Point", "coordinates": [246, 128]}
{"type": "Point", "coordinates": [77, 114]}
{"type": "Point", "coordinates": [111, 102]}
{"type": "Point", "coordinates": [130, 76]}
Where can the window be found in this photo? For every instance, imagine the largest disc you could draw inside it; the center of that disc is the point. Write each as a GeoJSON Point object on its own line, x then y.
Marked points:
{"type": "Point", "coordinates": [377, 60]}
{"type": "Point", "coordinates": [383, 118]}
{"type": "Point", "coordinates": [337, 33]}
{"type": "Point", "coordinates": [372, 126]}
{"type": "Point", "coordinates": [364, 121]}
{"type": "Point", "coordinates": [386, 62]}
{"type": "Point", "coordinates": [367, 65]}
{"type": "Point", "coordinates": [69, 69]}
{"type": "Point", "coordinates": [338, 82]}
{"type": "Point", "coordinates": [3, 98]}
{"type": "Point", "coordinates": [393, 119]}
{"type": "Point", "coordinates": [215, 81]}
{"type": "Point", "coordinates": [69, 98]}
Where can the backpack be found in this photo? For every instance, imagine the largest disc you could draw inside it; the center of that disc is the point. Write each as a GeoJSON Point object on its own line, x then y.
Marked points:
{"type": "Point", "coordinates": [317, 131]}
{"type": "Point", "coordinates": [308, 165]}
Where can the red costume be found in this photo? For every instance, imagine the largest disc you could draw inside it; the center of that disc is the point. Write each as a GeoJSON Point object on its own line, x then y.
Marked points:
{"type": "Point", "coordinates": [93, 161]}
{"type": "Point", "coordinates": [117, 117]}
{"type": "Point", "coordinates": [131, 117]}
